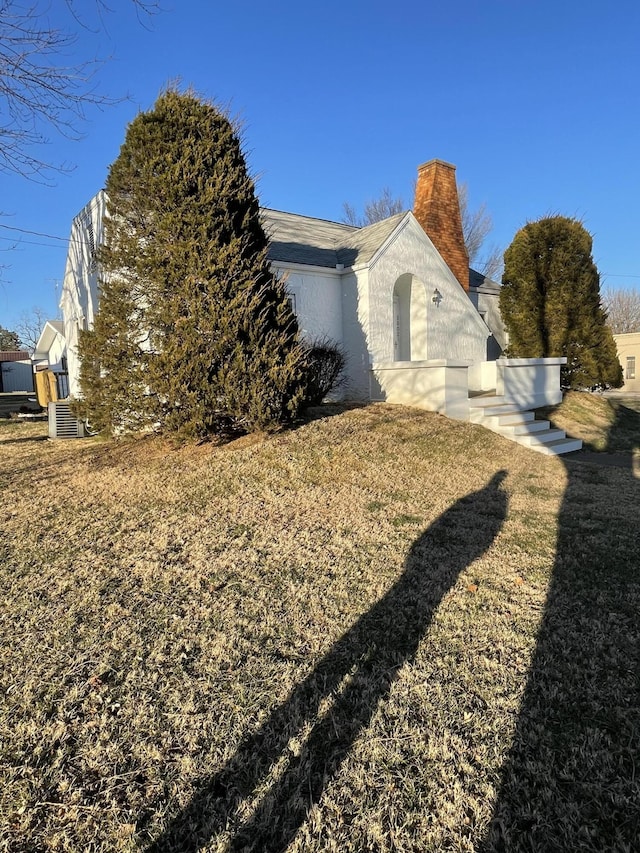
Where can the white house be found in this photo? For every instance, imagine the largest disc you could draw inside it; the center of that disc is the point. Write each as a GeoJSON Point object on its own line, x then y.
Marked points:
{"type": "Point", "coordinates": [79, 298]}
{"type": "Point", "coordinates": [418, 326]}
{"type": "Point", "coordinates": [50, 363]}
{"type": "Point", "coordinates": [50, 351]}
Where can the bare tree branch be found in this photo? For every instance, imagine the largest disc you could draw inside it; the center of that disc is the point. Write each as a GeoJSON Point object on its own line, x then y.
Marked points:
{"type": "Point", "coordinates": [476, 225]}
{"type": "Point", "coordinates": [622, 306]}
{"type": "Point", "coordinates": [42, 89]}
{"type": "Point", "coordinates": [30, 325]}
{"type": "Point", "coordinates": [375, 210]}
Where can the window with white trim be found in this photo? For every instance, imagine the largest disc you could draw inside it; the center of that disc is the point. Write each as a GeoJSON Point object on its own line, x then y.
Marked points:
{"type": "Point", "coordinates": [631, 367]}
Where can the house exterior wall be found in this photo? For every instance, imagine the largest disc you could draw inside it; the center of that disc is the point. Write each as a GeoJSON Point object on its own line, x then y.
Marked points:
{"type": "Point", "coordinates": [454, 329]}
{"type": "Point", "coordinates": [79, 300]}
{"type": "Point", "coordinates": [355, 333]}
{"type": "Point", "coordinates": [317, 292]}
{"type": "Point", "coordinates": [629, 354]}
{"type": "Point", "coordinates": [57, 352]}
{"type": "Point", "coordinates": [317, 295]}
{"type": "Point", "coordinates": [334, 304]}
{"type": "Point", "coordinates": [51, 351]}
{"type": "Point", "coordinates": [487, 303]}
{"type": "Point", "coordinates": [354, 307]}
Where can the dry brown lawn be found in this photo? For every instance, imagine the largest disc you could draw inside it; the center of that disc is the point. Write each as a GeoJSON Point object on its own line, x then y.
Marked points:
{"type": "Point", "coordinates": [605, 424]}
{"type": "Point", "coordinates": [381, 631]}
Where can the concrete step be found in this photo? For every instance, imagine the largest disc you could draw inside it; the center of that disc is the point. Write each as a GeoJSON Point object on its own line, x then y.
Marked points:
{"type": "Point", "coordinates": [545, 437]}
{"type": "Point", "coordinates": [485, 400]}
{"type": "Point", "coordinates": [478, 414]}
{"type": "Point", "coordinates": [509, 420]}
{"type": "Point", "coordinates": [556, 448]}
{"type": "Point", "coordinates": [512, 419]}
{"type": "Point", "coordinates": [524, 428]}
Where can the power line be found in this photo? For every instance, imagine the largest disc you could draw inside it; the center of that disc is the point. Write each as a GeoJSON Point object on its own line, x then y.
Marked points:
{"type": "Point", "coordinates": [17, 243]}
{"type": "Point", "coordinates": [83, 242]}
{"type": "Point", "coordinates": [33, 233]}
{"type": "Point", "coordinates": [620, 275]}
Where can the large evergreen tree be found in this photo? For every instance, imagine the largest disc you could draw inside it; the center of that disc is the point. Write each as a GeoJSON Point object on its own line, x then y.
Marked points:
{"type": "Point", "coordinates": [550, 302]}
{"type": "Point", "coordinates": [193, 331]}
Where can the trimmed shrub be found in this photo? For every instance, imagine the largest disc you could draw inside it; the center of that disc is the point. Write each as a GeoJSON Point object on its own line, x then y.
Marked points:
{"type": "Point", "coordinates": [325, 364]}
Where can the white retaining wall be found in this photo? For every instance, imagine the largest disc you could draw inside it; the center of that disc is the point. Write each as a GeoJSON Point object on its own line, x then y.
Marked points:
{"type": "Point", "coordinates": [438, 386]}
{"type": "Point", "coordinates": [443, 385]}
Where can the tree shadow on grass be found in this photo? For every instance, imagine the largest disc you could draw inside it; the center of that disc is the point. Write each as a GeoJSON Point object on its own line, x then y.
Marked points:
{"type": "Point", "coordinates": [356, 675]}
{"type": "Point", "coordinates": [24, 439]}
{"type": "Point", "coordinates": [572, 779]}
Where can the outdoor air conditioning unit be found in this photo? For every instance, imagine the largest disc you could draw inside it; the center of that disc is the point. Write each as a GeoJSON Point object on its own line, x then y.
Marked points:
{"type": "Point", "coordinates": [62, 423]}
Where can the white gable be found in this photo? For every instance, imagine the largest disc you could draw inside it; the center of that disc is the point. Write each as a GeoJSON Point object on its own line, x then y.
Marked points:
{"type": "Point", "coordinates": [409, 266]}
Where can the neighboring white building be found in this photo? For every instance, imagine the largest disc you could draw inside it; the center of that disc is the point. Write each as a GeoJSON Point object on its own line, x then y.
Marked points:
{"type": "Point", "coordinates": [50, 351]}
{"type": "Point", "coordinates": [50, 363]}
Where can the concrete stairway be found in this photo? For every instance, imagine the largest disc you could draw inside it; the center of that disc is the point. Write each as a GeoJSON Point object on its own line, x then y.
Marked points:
{"type": "Point", "coordinates": [508, 419]}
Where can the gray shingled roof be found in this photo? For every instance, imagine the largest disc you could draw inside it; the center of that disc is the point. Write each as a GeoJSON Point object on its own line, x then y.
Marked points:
{"type": "Point", "coordinates": [304, 240]}
{"type": "Point", "coordinates": [477, 280]}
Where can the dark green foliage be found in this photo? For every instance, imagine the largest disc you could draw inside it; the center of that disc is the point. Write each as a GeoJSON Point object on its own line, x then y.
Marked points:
{"type": "Point", "coordinates": [113, 366]}
{"type": "Point", "coordinates": [194, 333]}
{"type": "Point", "coordinates": [550, 302]}
{"type": "Point", "coordinates": [9, 341]}
{"type": "Point", "coordinates": [325, 370]}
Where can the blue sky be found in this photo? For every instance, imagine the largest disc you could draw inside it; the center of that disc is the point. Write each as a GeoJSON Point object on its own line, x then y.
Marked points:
{"type": "Point", "coordinates": [536, 102]}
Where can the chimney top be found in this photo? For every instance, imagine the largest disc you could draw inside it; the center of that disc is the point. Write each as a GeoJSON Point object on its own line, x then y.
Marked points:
{"type": "Point", "coordinates": [437, 209]}
{"type": "Point", "coordinates": [439, 162]}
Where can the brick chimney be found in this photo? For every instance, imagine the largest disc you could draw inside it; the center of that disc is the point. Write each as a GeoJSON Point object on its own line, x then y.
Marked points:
{"type": "Point", "coordinates": [437, 209]}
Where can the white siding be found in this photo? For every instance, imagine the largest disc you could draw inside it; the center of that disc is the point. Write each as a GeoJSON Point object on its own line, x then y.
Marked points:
{"type": "Point", "coordinates": [454, 330]}
{"type": "Point", "coordinates": [318, 302]}
{"type": "Point", "coordinates": [79, 300]}
{"type": "Point", "coordinates": [488, 306]}
{"type": "Point", "coordinates": [355, 311]}
{"type": "Point", "coordinates": [333, 304]}
{"type": "Point", "coordinates": [352, 307]}
{"type": "Point", "coordinates": [51, 348]}
{"type": "Point", "coordinates": [57, 352]}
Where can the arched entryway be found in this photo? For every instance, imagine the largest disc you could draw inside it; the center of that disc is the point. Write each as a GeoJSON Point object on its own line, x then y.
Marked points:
{"type": "Point", "coordinates": [409, 319]}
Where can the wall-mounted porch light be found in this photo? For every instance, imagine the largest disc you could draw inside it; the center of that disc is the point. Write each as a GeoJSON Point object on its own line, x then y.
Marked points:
{"type": "Point", "coordinates": [437, 297]}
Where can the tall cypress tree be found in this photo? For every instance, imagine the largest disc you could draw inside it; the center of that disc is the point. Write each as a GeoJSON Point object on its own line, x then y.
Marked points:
{"type": "Point", "coordinates": [550, 302]}
{"type": "Point", "coordinates": [200, 323]}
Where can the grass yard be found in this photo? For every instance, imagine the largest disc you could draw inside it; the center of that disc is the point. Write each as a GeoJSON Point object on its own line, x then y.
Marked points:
{"type": "Point", "coordinates": [381, 631]}
{"type": "Point", "coordinates": [605, 424]}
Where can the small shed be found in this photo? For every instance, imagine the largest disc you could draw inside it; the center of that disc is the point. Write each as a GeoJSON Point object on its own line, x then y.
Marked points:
{"type": "Point", "coordinates": [16, 372]}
